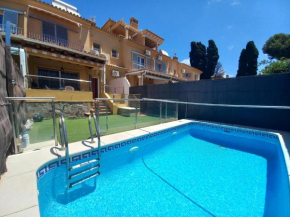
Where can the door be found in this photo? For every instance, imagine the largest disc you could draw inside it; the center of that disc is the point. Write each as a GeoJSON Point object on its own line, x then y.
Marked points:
{"type": "Point", "coordinates": [95, 87]}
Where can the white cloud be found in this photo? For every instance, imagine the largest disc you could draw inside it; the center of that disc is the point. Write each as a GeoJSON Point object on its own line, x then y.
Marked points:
{"type": "Point", "coordinates": [186, 61]}
{"type": "Point", "coordinates": [235, 2]}
{"type": "Point", "coordinates": [230, 47]}
{"type": "Point", "coordinates": [211, 1]}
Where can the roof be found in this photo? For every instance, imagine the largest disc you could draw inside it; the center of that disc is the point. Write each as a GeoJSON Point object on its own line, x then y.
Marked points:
{"type": "Point", "coordinates": [67, 11]}
{"type": "Point", "coordinates": [158, 74]}
{"type": "Point", "coordinates": [115, 66]}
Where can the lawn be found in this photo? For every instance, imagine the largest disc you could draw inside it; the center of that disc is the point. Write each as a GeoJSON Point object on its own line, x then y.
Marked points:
{"type": "Point", "coordinates": [78, 129]}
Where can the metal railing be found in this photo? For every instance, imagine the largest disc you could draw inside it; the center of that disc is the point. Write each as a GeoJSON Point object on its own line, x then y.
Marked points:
{"type": "Point", "coordinates": [54, 40]}
{"type": "Point", "coordinates": [57, 83]}
{"type": "Point", "coordinates": [15, 124]}
{"type": "Point", "coordinates": [137, 65]}
{"type": "Point", "coordinates": [14, 30]}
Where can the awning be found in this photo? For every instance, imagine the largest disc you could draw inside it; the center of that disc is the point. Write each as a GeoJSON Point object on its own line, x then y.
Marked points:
{"type": "Point", "coordinates": [53, 14]}
{"type": "Point", "coordinates": [156, 75]}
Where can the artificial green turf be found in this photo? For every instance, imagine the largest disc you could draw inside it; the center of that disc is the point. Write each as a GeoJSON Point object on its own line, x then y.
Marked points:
{"type": "Point", "coordinates": [78, 129]}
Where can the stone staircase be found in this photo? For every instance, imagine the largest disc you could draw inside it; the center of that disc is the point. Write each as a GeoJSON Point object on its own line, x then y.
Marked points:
{"type": "Point", "coordinates": [102, 106]}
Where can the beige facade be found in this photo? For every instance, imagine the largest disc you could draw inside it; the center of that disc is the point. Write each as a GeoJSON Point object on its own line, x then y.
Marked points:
{"type": "Point", "coordinates": [57, 48]}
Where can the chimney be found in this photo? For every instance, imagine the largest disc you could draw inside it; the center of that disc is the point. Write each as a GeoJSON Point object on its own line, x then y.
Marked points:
{"type": "Point", "coordinates": [175, 58]}
{"type": "Point", "coordinates": [134, 22]}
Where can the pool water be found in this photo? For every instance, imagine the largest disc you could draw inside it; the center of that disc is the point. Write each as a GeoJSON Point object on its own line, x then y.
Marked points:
{"type": "Point", "coordinates": [192, 173]}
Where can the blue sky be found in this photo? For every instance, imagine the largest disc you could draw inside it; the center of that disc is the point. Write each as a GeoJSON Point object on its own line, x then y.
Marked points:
{"type": "Point", "coordinates": [230, 23]}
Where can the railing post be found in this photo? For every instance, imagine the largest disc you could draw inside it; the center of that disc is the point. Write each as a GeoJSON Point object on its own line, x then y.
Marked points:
{"type": "Point", "coordinates": [97, 112]}
{"type": "Point", "coordinates": [186, 109]}
{"type": "Point", "coordinates": [8, 32]}
{"type": "Point", "coordinates": [90, 127]}
{"type": "Point", "coordinates": [107, 125]}
{"type": "Point", "coordinates": [54, 123]}
{"type": "Point", "coordinates": [160, 118]}
{"type": "Point", "coordinates": [176, 112]}
{"type": "Point", "coordinates": [136, 116]}
{"type": "Point", "coordinates": [11, 113]}
{"type": "Point", "coordinates": [165, 111]}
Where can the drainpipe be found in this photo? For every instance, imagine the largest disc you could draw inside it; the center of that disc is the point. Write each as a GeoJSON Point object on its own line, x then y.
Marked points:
{"type": "Point", "coordinates": [142, 77]}
{"type": "Point", "coordinates": [105, 78]}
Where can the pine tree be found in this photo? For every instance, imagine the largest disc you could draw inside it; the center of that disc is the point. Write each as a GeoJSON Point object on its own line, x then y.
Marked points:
{"type": "Point", "coordinates": [197, 55]}
{"type": "Point", "coordinates": [252, 56]}
{"type": "Point", "coordinates": [248, 62]}
{"type": "Point", "coordinates": [242, 71]}
{"type": "Point", "coordinates": [212, 56]}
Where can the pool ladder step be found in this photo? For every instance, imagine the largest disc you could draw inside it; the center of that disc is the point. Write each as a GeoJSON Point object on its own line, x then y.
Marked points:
{"type": "Point", "coordinates": [75, 172]}
{"type": "Point", "coordinates": [84, 164]}
{"type": "Point", "coordinates": [83, 180]}
{"type": "Point", "coordinates": [71, 176]}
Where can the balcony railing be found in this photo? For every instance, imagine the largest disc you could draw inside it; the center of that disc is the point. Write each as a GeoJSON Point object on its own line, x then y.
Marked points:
{"type": "Point", "coordinates": [43, 37]}
{"type": "Point", "coordinates": [14, 29]}
{"type": "Point", "coordinates": [161, 70]}
{"type": "Point", "coordinates": [137, 65]}
{"type": "Point", "coordinates": [55, 41]}
{"type": "Point", "coordinates": [57, 83]}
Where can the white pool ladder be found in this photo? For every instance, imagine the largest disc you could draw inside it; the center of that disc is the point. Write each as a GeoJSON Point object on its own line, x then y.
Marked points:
{"type": "Point", "coordinates": [91, 167]}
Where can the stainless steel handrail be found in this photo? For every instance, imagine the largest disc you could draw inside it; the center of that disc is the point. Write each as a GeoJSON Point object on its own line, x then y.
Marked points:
{"type": "Point", "coordinates": [63, 135]}
{"type": "Point", "coordinates": [98, 136]}
{"type": "Point", "coordinates": [30, 98]}
{"type": "Point", "coordinates": [194, 103]}
{"type": "Point", "coordinates": [58, 78]}
{"type": "Point", "coordinates": [91, 130]}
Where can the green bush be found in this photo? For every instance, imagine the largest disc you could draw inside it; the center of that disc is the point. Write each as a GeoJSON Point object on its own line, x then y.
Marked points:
{"type": "Point", "coordinates": [273, 67]}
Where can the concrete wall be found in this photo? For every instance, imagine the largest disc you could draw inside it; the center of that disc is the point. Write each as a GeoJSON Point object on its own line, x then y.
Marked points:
{"type": "Point", "coordinates": [255, 90]}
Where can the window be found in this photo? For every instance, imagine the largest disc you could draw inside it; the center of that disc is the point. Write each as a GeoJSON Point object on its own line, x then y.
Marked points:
{"type": "Point", "coordinates": [54, 33]}
{"type": "Point", "coordinates": [7, 15]}
{"type": "Point", "coordinates": [97, 47]}
{"type": "Point", "coordinates": [195, 77]}
{"type": "Point", "coordinates": [1, 16]}
{"type": "Point", "coordinates": [175, 74]}
{"type": "Point", "coordinates": [140, 62]}
{"type": "Point", "coordinates": [51, 83]}
{"type": "Point", "coordinates": [114, 53]}
{"type": "Point", "coordinates": [160, 66]}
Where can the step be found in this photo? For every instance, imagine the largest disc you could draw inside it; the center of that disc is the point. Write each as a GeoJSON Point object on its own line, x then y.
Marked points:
{"type": "Point", "coordinates": [83, 180]}
{"type": "Point", "coordinates": [84, 171]}
{"type": "Point", "coordinates": [84, 164]}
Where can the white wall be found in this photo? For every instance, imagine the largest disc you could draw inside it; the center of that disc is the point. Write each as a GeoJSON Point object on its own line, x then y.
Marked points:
{"type": "Point", "coordinates": [120, 83]}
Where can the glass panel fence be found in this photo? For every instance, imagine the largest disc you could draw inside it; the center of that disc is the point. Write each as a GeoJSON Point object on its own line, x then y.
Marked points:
{"type": "Point", "coordinates": [34, 123]}
{"type": "Point", "coordinates": [54, 82]}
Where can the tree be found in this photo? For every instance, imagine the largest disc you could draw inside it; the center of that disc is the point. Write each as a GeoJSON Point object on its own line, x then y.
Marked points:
{"type": "Point", "coordinates": [242, 71]}
{"type": "Point", "coordinates": [273, 67]}
{"type": "Point", "coordinates": [248, 62]}
{"type": "Point", "coordinates": [197, 56]}
{"type": "Point", "coordinates": [252, 58]}
{"type": "Point", "coordinates": [219, 71]}
{"type": "Point", "coordinates": [212, 56]}
{"type": "Point", "coordinates": [278, 46]}
{"type": "Point", "coordinates": [204, 59]}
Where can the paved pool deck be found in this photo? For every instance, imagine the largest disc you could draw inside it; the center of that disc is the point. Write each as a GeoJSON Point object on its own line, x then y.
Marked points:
{"type": "Point", "coordinates": [18, 186]}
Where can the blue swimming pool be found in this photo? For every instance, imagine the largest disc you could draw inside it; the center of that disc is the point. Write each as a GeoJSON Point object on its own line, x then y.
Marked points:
{"type": "Point", "coordinates": [196, 169]}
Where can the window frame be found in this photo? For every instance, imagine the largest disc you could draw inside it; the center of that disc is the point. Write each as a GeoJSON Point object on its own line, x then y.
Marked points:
{"type": "Point", "coordinates": [100, 47]}
{"type": "Point", "coordinates": [117, 53]}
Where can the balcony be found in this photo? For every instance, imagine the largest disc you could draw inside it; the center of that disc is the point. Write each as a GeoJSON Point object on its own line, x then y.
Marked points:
{"type": "Point", "coordinates": [14, 30]}
{"type": "Point", "coordinates": [17, 31]}
{"type": "Point", "coordinates": [136, 65]}
{"type": "Point", "coordinates": [64, 89]}
{"type": "Point", "coordinates": [54, 41]}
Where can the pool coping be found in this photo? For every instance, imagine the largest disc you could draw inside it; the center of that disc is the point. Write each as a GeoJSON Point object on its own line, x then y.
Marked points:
{"type": "Point", "coordinates": [18, 187]}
